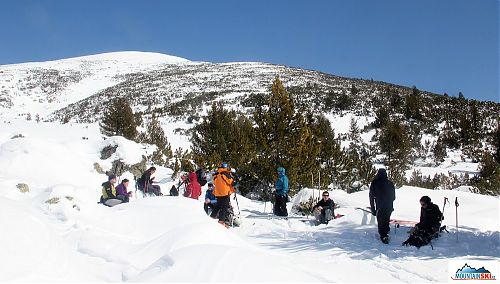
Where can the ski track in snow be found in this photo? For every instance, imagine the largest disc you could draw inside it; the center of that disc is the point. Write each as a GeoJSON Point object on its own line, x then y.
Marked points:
{"type": "Point", "coordinates": [341, 239]}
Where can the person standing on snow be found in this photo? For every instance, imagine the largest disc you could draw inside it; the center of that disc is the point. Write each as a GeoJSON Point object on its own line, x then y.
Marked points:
{"type": "Point", "coordinates": [193, 188]}
{"type": "Point", "coordinates": [281, 194]}
{"type": "Point", "coordinates": [323, 210]}
{"type": "Point", "coordinates": [382, 195]}
{"type": "Point", "coordinates": [223, 182]}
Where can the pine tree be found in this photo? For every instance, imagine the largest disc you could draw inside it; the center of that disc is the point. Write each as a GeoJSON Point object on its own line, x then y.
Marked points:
{"type": "Point", "coordinates": [496, 142]}
{"type": "Point", "coordinates": [330, 154]}
{"type": "Point", "coordinates": [156, 136]}
{"type": "Point", "coordinates": [354, 90]}
{"type": "Point", "coordinates": [119, 120]}
{"type": "Point", "coordinates": [466, 132]}
{"type": "Point", "coordinates": [284, 139]}
{"type": "Point", "coordinates": [354, 131]}
{"type": "Point", "coordinates": [476, 121]}
{"type": "Point", "coordinates": [381, 117]}
{"type": "Point", "coordinates": [489, 175]}
{"type": "Point", "coordinates": [177, 168]}
{"type": "Point", "coordinates": [211, 138]}
{"type": "Point", "coordinates": [413, 105]}
{"type": "Point", "coordinates": [394, 142]}
{"type": "Point", "coordinates": [306, 152]}
{"type": "Point", "coordinates": [223, 136]}
{"type": "Point", "coordinates": [439, 151]}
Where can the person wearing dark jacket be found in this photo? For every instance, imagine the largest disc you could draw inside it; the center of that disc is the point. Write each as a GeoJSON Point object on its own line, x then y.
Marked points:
{"type": "Point", "coordinates": [430, 215]}
{"type": "Point", "coordinates": [382, 195]}
{"type": "Point", "coordinates": [109, 196]}
{"type": "Point", "coordinates": [323, 210]}
{"type": "Point", "coordinates": [145, 182]}
{"type": "Point", "coordinates": [429, 225]}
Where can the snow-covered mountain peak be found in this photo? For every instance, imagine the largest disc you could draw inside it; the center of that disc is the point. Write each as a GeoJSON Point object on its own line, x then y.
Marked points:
{"type": "Point", "coordinates": [119, 57]}
{"type": "Point", "coordinates": [43, 87]}
{"type": "Point", "coordinates": [132, 57]}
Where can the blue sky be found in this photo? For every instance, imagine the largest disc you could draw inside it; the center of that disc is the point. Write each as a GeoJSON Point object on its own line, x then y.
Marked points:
{"type": "Point", "coordinates": [439, 46]}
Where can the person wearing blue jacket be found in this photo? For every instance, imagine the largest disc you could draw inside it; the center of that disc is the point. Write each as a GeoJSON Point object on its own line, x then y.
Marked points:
{"type": "Point", "coordinates": [210, 199]}
{"type": "Point", "coordinates": [281, 193]}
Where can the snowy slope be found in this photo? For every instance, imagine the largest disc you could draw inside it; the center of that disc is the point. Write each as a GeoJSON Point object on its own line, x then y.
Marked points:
{"type": "Point", "coordinates": [43, 87]}
{"type": "Point", "coordinates": [170, 239]}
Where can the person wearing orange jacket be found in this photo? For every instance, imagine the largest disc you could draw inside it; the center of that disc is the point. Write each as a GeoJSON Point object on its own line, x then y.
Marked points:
{"type": "Point", "coordinates": [223, 182]}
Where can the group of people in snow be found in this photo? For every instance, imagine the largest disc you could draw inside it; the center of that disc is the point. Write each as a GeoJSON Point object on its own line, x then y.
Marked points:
{"type": "Point", "coordinates": [382, 195]}
{"type": "Point", "coordinates": [217, 200]}
{"type": "Point", "coordinates": [112, 195]}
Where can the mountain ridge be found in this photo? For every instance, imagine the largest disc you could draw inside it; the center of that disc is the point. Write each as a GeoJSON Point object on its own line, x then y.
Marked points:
{"type": "Point", "coordinates": [58, 75]}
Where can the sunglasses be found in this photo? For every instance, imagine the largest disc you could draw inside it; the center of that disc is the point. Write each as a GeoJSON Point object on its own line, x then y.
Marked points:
{"type": "Point", "coordinates": [325, 195]}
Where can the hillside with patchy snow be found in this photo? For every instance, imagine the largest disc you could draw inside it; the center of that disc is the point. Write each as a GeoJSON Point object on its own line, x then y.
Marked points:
{"type": "Point", "coordinates": [40, 88]}
{"type": "Point", "coordinates": [180, 92]}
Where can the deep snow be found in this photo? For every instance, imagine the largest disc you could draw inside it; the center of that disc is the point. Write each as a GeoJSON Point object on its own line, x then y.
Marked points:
{"type": "Point", "coordinates": [170, 239]}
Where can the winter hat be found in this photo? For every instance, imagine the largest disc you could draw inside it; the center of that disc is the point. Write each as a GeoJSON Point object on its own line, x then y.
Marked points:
{"type": "Point", "coordinates": [112, 176]}
{"type": "Point", "coordinates": [382, 173]}
{"type": "Point", "coordinates": [425, 199]}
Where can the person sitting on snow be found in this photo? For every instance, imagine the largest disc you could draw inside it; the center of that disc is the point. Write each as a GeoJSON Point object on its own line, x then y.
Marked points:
{"type": "Point", "coordinates": [193, 188]}
{"type": "Point", "coordinates": [109, 196]}
{"type": "Point", "coordinates": [323, 210]}
{"type": "Point", "coordinates": [145, 183]}
{"type": "Point", "coordinates": [210, 200]}
{"type": "Point", "coordinates": [429, 225]}
{"type": "Point", "coordinates": [121, 191]}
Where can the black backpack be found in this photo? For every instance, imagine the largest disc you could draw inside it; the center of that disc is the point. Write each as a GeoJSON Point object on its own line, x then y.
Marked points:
{"type": "Point", "coordinates": [201, 177]}
{"type": "Point", "coordinates": [174, 191]}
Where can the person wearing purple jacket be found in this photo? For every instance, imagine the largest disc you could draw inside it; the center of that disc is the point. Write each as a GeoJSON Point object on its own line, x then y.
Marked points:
{"type": "Point", "coordinates": [121, 191]}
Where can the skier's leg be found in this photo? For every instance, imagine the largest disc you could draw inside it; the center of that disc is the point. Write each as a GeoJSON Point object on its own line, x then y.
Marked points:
{"type": "Point", "coordinates": [216, 209]}
{"type": "Point", "coordinates": [383, 218]}
{"type": "Point", "coordinates": [224, 202]}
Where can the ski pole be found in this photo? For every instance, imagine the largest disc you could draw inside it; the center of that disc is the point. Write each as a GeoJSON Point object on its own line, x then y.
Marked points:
{"type": "Point", "coordinates": [236, 198]}
{"type": "Point", "coordinates": [456, 215]}
{"type": "Point", "coordinates": [444, 206]}
{"type": "Point", "coordinates": [136, 186]}
{"type": "Point", "coordinates": [264, 196]}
